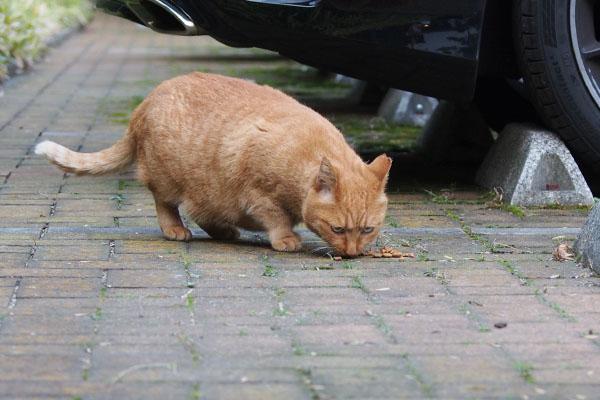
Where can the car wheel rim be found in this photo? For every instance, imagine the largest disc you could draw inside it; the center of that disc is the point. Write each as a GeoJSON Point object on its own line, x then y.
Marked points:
{"type": "Point", "coordinates": [584, 18]}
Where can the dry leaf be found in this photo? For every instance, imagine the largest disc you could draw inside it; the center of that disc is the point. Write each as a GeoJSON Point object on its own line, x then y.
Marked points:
{"type": "Point", "coordinates": [562, 253]}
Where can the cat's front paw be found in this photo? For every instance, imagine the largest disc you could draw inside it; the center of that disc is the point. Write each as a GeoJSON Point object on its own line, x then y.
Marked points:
{"type": "Point", "coordinates": [287, 243]}
{"type": "Point", "coordinates": [180, 233]}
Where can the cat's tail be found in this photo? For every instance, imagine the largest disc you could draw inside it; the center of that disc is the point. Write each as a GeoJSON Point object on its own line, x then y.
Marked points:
{"type": "Point", "coordinates": [115, 158]}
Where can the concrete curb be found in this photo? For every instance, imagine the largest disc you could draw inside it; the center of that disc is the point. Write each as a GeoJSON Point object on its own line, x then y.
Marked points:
{"type": "Point", "coordinates": [587, 246]}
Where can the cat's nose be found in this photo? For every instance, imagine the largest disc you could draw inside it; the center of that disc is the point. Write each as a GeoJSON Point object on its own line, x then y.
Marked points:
{"type": "Point", "coordinates": [352, 250]}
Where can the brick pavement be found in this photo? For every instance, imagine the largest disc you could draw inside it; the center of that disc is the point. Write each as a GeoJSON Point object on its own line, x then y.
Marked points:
{"type": "Point", "coordinates": [94, 304]}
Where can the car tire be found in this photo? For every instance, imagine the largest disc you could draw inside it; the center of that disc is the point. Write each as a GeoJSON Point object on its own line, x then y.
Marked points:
{"type": "Point", "coordinates": [549, 37]}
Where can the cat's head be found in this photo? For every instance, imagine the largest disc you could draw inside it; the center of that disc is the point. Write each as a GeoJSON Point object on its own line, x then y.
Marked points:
{"type": "Point", "coordinates": [347, 207]}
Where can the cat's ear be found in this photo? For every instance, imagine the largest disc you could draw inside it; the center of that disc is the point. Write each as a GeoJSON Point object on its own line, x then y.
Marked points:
{"type": "Point", "coordinates": [381, 167]}
{"type": "Point", "coordinates": [326, 179]}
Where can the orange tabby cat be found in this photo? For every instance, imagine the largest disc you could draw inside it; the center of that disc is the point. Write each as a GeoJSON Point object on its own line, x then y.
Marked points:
{"type": "Point", "coordinates": [236, 154]}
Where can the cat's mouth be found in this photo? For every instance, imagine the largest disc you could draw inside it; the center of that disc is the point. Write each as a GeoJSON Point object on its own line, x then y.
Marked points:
{"type": "Point", "coordinates": [343, 254]}
{"type": "Point", "coordinates": [349, 255]}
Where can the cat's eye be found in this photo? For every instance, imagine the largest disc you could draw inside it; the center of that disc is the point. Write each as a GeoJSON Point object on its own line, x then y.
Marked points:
{"type": "Point", "coordinates": [337, 229]}
{"type": "Point", "coordinates": [368, 229]}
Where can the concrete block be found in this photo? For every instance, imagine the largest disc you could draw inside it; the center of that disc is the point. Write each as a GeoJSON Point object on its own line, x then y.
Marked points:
{"type": "Point", "coordinates": [587, 246]}
{"type": "Point", "coordinates": [399, 106]}
{"type": "Point", "coordinates": [534, 168]}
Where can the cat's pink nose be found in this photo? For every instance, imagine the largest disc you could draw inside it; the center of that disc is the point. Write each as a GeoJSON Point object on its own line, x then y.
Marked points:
{"type": "Point", "coordinates": [352, 250]}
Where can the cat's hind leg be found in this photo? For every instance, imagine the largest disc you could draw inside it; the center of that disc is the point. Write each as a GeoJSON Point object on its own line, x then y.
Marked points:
{"type": "Point", "coordinates": [220, 231]}
{"type": "Point", "coordinates": [170, 221]}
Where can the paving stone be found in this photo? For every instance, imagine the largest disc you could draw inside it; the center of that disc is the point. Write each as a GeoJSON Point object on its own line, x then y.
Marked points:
{"type": "Point", "coordinates": [139, 391]}
{"type": "Point", "coordinates": [145, 279]}
{"type": "Point", "coordinates": [52, 272]}
{"type": "Point", "coordinates": [260, 391]}
{"type": "Point", "coordinates": [58, 287]}
{"type": "Point", "coordinates": [27, 389]}
{"type": "Point", "coordinates": [384, 382]}
{"type": "Point", "coordinates": [365, 334]}
{"type": "Point", "coordinates": [460, 369]}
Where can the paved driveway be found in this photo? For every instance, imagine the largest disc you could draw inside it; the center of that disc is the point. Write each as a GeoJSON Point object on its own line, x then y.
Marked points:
{"type": "Point", "coordinates": [94, 304]}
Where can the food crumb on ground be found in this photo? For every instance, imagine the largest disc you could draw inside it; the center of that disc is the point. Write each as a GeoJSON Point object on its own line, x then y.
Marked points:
{"type": "Point", "coordinates": [387, 252]}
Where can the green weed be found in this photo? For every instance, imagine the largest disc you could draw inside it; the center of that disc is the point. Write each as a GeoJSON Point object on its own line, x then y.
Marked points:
{"type": "Point", "coordinates": [297, 349]}
{"type": "Point", "coordinates": [186, 267]}
{"type": "Point", "coordinates": [513, 271]}
{"type": "Point", "coordinates": [119, 198]}
{"type": "Point", "coordinates": [424, 257]}
{"type": "Point", "coordinates": [514, 210]}
{"type": "Point", "coordinates": [196, 394]}
{"type": "Point", "coordinates": [560, 311]}
{"type": "Point", "coordinates": [269, 270]}
{"type": "Point", "coordinates": [425, 387]}
{"type": "Point", "coordinates": [380, 323]}
{"type": "Point", "coordinates": [190, 302]}
{"type": "Point", "coordinates": [444, 198]}
{"type": "Point", "coordinates": [122, 184]}
{"type": "Point", "coordinates": [450, 214]}
{"type": "Point", "coordinates": [391, 222]}
{"type": "Point", "coordinates": [97, 315]}
{"type": "Point", "coordinates": [524, 370]}
{"type": "Point", "coordinates": [356, 283]}
{"type": "Point", "coordinates": [280, 310]}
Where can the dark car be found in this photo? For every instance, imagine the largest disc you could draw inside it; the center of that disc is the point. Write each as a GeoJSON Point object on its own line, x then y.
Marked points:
{"type": "Point", "coordinates": [496, 53]}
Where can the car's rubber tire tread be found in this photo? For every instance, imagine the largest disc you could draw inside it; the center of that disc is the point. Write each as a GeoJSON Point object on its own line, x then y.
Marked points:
{"type": "Point", "coordinates": [532, 66]}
